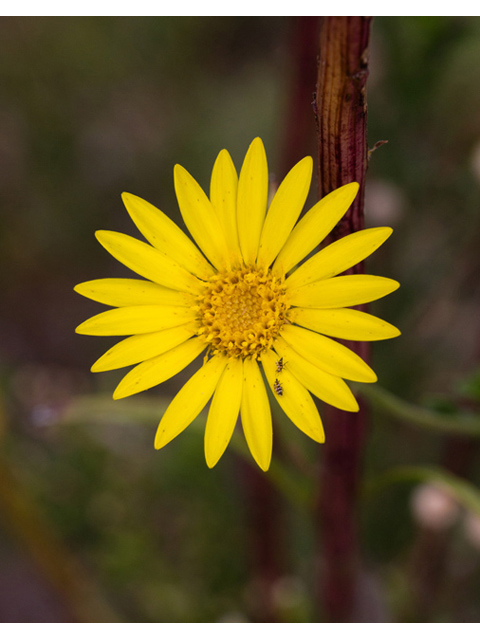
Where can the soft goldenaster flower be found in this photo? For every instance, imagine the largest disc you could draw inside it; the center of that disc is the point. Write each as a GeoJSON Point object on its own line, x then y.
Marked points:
{"type": "Point", "coordinates": [239, 298]}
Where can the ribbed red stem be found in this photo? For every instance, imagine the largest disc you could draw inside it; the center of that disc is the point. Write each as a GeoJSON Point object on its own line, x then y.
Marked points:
{"type": "Point", "coordinates": [341, 113]}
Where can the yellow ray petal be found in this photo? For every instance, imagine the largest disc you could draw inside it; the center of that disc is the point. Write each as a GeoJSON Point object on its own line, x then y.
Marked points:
{"type": "Point", "coordinates": [284, 211]}
{"type": "Point", "coordinates": [133, 320]}
{"type": "Point", "coordinates": [348, 324]}
{"type": "Point", "coordinates": [223, 196]}
{"type": "Point", "coordinates": [166, 236]}
{"type": "Point", "coordinates": [224, 411]}
{"type": "Point", "coordinates": [200, 217]}
{"type": "Point", "coordinates": [327, 354]}
{"type": "Point", "coordinates": [189, 401]}
{"type": "Point", "coordinates": [156, 370]}
{"type": "Point", "coordinates": [256, 415]}
{"type": "Point", "coordinates": [331, 389]}
{"type": "Point", "coordinates": [295, 400]}
{"type": "Point", "coordinates": [252, 200]}
{"type": "Point", "coordinates": [342, 291]}
{"type": "Point", "coordinates": [339, 256]}
{"type": "Point", "coordinates": [143, 347]}
{"type": "Point", "coordinates": [315, 225]}
{"type": "Point", "coordinates": [148, 262]}
{"type": "Point", "coordinates": [126, 292]}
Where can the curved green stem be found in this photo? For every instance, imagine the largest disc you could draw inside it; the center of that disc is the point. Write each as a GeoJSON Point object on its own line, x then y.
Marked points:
{"type": "Point", "coordinates": [383, 400]}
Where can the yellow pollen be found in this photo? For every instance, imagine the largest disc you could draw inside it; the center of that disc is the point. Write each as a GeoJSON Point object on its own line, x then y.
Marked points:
{"type": "Point", "coordinates": [241, 312]}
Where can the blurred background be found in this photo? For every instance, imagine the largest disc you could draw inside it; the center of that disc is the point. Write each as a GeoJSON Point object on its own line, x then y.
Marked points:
{"type": "Point", "coordinates": [97, 526]}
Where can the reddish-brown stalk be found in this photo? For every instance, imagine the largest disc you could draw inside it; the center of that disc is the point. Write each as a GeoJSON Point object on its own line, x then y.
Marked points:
{"type": "Point", "coordinates": [341, 114]}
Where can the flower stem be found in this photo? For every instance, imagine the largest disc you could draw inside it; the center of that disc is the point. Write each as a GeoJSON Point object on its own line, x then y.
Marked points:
{"type": "Point", "coordinates": [341, 115]}
{"type": "Point", "coordinates": [263, 511]}
{"type": "Point", "coordinates": [299, 131]}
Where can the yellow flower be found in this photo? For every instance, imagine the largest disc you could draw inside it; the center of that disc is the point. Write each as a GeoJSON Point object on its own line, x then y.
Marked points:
{"type": "Point", "coordinates": [237, 295]}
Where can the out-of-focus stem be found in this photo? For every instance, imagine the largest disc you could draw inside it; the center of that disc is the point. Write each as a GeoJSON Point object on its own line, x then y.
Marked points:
{"type": "Point", "coordinates": [341, 114]}
{"type": "Point", "coordinates": [416, 416]}
{"type": "Point", "coordinates": [79, 594]}
{"type": "Point", "coordinates": [265, 544]}
{"type": "Point", "coordinates": [298, 138]}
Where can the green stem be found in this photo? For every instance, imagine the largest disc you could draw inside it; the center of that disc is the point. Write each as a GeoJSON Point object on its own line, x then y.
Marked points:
{"type": "Point", "coordinates": [80, 595]}
{"type": "Point", "coordinates": [383, 400]}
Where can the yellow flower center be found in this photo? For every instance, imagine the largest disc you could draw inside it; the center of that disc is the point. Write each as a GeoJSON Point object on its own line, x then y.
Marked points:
{"type": "Point", "coordinates": [242, 311]}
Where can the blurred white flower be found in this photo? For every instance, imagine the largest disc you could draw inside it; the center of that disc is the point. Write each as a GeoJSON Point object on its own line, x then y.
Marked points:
{"type": "Point", "coordinates": [433, 507]}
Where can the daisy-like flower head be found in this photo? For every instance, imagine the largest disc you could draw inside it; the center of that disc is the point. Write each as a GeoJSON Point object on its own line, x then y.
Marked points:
{"type": "Point", "coordinates": [237, 294]}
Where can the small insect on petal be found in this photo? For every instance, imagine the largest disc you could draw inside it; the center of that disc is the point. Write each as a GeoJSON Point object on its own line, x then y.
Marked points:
{"type": "Point", "coordinates": [277, 387]}
{"type": "Point", "coordinates": [280, 364]}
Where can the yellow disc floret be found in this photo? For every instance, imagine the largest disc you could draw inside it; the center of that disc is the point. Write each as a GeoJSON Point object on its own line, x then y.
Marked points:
{"type": "Point", "coordinates": [241, 312]}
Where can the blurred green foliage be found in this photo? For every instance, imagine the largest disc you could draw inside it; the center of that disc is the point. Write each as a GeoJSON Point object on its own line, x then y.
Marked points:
{"type": "Point", "coordinates": [91, 107]}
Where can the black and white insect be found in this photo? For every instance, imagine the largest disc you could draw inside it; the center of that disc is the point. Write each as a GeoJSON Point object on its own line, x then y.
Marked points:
{"type": "Point", "coordinates": [277, 387]}
{"type": "Point", "coordinates": [280, 364]}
